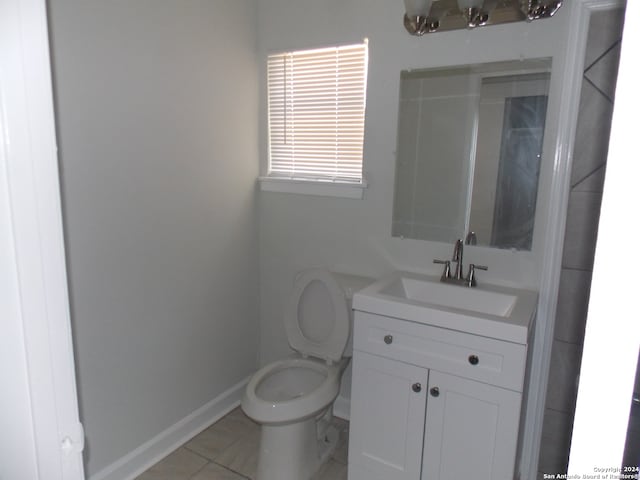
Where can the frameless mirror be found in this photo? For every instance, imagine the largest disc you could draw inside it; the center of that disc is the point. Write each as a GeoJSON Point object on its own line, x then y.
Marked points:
{"type": "Point", "coordinates": [469, 150]}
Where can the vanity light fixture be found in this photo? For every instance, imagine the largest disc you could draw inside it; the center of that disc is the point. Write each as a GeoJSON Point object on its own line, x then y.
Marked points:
{"type": "Point", "coordinates": [535, 9]}
{"type": "Point", "coordinates": [429, 16]}
{"type": "Point", "coordinates": [416, 18]}
{"type": "Point", "coordinates": [473, 12]}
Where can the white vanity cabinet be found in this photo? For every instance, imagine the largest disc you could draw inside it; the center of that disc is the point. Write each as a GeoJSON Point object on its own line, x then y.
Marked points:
{"type": "Point", "coordinates": [387, 419]}
{"type": "Point", "coordinates": [430, 403]}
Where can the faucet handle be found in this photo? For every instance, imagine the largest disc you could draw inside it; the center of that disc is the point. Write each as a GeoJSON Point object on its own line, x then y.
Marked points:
{"type": "Point", "coordinates": [447, 268]}
{"type": "Point", "coordinates": [471, 276]}
{"type": "Point", "coordinates": [471, 239]}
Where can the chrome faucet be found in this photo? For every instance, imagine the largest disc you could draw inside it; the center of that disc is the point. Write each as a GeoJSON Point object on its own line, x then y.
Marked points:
{"type": "Point", "coordinates": [456, 277]}
{"type": "Point", "coordinates": [457, 257]}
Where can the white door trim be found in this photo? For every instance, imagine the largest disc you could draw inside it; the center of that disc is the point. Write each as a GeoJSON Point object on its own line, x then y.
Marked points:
{"type": "Point", "coordinates": [29, 159]}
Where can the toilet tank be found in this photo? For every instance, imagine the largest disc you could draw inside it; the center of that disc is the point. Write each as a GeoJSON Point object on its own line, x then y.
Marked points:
{"type": "Point", "coordinates": [351, 284]}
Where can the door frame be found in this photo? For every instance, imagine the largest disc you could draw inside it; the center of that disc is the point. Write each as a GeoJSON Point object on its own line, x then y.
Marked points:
{"type": "Point", "coordinates": [32, 223]}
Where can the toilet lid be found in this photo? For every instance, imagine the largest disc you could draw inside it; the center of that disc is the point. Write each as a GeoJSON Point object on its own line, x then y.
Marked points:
{"type": "Point", "coordinates": [317, 317]}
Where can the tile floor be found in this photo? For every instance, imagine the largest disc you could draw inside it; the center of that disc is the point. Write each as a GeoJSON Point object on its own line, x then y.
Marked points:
{"type": "Point", "coordinates": [228, 450]}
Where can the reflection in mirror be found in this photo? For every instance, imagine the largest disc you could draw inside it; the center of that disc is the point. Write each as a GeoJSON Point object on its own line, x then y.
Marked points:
{"type": "Point", "coordinates": [469, 150]}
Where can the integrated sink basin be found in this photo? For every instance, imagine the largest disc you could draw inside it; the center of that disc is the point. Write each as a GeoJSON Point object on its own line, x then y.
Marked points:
{"type": "Point", "coordinates": [488, 310]}
{"type": "Point", "coordinates": [450, 296]}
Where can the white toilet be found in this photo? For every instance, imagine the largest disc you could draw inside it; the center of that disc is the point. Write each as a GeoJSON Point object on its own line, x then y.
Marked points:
{"type": "Point", "coordinates": [292, 398]}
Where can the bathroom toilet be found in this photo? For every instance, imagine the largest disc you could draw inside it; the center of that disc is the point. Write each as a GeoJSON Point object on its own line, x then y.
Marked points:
{"type": "Point", "coordinates": [293, 398]}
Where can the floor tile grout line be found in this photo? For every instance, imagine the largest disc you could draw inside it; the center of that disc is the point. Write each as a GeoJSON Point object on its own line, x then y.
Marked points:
{"type": "Point", "coordinates": [203, 467]}
{"type": "Point", "coordinates": [209, 462]}
{"type": "Point", "coordinates": [186, 447]}
{"type": "Point", "coordinates": [231, 470]}
{"type": "Point", "coordinates": [234, 471]}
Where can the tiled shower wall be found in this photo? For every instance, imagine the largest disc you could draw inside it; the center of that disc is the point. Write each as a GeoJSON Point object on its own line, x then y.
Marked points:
{"type": "Point", "coordinates": [587, 177]}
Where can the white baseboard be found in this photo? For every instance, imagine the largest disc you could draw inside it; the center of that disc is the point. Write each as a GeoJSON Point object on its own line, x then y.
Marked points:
{"type": "Point", "coordinates": [154, 450]}
{"type": "Point", "coordinates": [342, 407]}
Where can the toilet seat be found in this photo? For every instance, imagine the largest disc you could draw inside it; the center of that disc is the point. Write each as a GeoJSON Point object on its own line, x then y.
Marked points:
{"type": "Point", "coordinates": [309, 403]}
{"type": "Point", "coordinates": [317, 327]}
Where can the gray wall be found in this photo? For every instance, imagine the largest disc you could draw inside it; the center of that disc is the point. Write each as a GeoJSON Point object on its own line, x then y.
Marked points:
{"type": "Point", "coordinates": [587, 177]}
{"type": "Point", "coordinates": [157, 119]}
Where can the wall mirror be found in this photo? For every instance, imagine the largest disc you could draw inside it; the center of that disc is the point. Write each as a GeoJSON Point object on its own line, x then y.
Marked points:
{"type": "Point", "coordinates": [469, 151]}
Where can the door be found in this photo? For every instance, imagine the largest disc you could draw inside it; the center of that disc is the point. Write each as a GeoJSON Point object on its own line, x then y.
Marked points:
{"type": "Point", "coordinates": [471, 430]}
{"type": "Point", "coordinates": [387, 419]}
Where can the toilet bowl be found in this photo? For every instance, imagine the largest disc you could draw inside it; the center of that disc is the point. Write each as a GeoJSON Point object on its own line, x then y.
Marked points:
{"type": "Point", "coordinates": [292, 398]}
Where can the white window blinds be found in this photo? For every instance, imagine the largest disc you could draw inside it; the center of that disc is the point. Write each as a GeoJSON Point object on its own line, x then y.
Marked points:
{"type": "Point", "coordinates": [316, 113]}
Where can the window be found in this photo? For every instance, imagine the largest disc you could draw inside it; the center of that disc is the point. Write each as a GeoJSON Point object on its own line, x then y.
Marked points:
{"type": "Point", "coordinates": [316, 119]}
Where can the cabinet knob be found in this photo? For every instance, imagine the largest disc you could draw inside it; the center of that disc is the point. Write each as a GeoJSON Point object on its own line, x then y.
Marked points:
{"type": "Point", "coordinates": [435, 392]}
{"type": "Point", "coordinates": [416, 387]}
{"type": "Point", "coordinates": [473, 359]}
{"type": "Point", "coordinates": [388, 339]}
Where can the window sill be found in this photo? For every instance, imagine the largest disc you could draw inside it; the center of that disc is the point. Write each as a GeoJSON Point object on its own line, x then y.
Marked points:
{"type": "Point", "coordinates": [313, 187]}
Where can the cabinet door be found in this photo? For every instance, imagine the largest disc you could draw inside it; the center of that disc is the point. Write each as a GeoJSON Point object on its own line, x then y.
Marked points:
{"type": "Point", "coordinates": [471, 430]}
{"type": "Point", "coordinates": [387, 419]}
